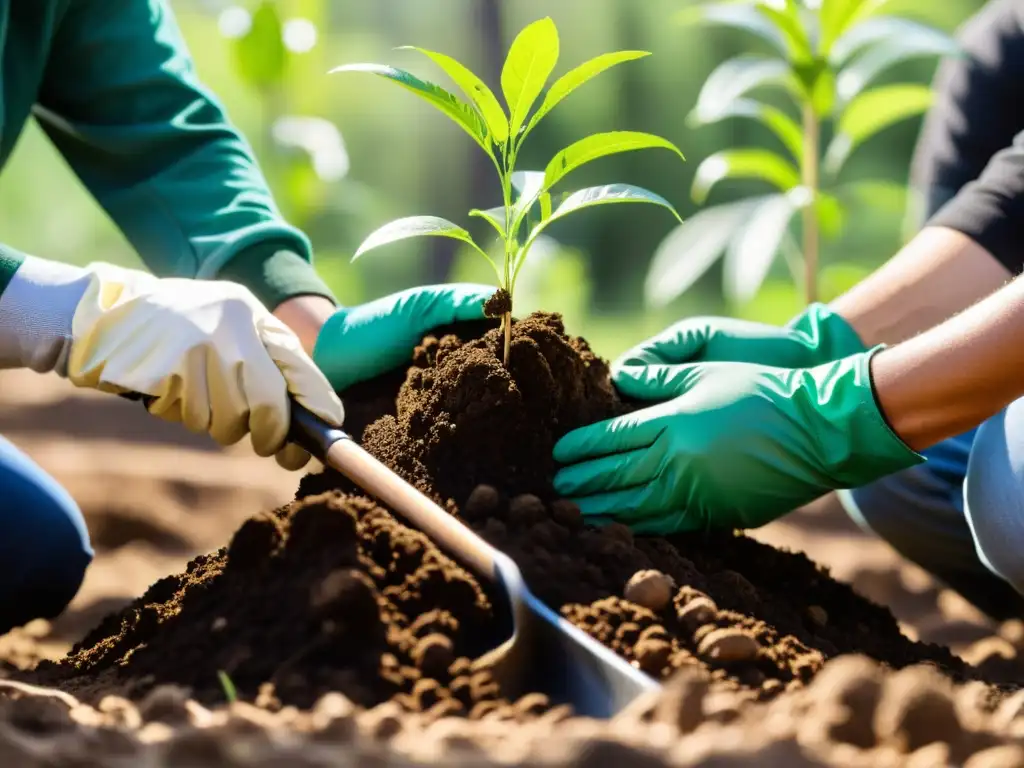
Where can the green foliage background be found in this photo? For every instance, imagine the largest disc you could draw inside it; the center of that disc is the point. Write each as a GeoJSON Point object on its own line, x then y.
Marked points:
{"type": "Point", "coordinates": [405, 159]}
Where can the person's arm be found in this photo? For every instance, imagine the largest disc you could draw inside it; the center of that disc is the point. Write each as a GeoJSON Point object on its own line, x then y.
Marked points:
{"type": "Point", "coordinates": [970, 247]}
{"type": "Point", "coordinates": [306, 316]}
{"type": "Point", "coordinates": [954, 376]}
{"type": "Point", "coordinates": [975, 117]}
{"type": "Point", "coordinates": [938, 273]}
{"type": "Point", "coordinates": [122, 102]}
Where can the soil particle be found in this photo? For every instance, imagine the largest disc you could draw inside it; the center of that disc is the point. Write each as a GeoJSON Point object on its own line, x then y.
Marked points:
{"type": "Point", "coordinates": [500, 303]}
{"type": "Point", "coordinates": [728, 646]}
{"type": "Point", "coordinates": [651, 589]}
{"type": "Point", "coordinates": [818, 615]}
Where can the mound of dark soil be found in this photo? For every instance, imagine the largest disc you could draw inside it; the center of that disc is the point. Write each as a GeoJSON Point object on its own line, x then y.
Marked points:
{"type": "Point", "coordinates": [332, 593]}
{"type": "Point", "coordinates": [479, 437]}
{"type": "Point", "coordinates": [327, 594]}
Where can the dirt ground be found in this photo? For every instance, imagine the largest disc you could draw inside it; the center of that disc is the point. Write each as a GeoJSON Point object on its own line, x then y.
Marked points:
{"type": "Point", "coordinates": [149, 492]}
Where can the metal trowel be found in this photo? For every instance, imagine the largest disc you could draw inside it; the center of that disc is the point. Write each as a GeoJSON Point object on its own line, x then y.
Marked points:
{"type": "Point", "coordinates": [545, 653]}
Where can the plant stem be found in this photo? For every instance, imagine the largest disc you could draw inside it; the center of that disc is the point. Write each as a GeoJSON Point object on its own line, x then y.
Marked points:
{"type": "Point", "coordinates": [809, 173]}
{"type": "Point", "coordinates": [507, 322]}
{"type": "Point", "coordinates": [510, 243]}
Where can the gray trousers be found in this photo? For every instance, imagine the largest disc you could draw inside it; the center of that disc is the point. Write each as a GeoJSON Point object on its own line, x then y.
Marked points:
{"type": "Point", "coordinates": [960, 515]}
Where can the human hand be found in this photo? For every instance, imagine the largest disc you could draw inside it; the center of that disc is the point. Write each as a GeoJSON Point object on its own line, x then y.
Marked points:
{"type": "Point", "coordinates": [815, 336]}
{"type": "Point", "coordinates": [361, 342]}
{"type": "Point", "coordinates": [733, 445]}
{"type": "Point", "coordinates": [204, 353]}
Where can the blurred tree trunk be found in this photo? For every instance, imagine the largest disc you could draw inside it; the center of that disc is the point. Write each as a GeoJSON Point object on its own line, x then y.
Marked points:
{"type": "Point", "coordinates": [483, 181]}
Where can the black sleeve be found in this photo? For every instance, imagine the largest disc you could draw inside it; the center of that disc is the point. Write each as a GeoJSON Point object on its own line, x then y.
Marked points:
{"type": "Point", "coordinates": [990, 210]}
{"type": "Point", "coordinates": [977, 110]}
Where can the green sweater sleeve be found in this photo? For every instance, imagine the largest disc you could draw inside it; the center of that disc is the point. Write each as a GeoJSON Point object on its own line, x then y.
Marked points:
{"type": "Point", "coordinates": [121, 101]}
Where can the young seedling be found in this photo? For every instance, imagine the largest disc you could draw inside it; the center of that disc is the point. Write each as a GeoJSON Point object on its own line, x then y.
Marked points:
{"type": "Point", "coordinates": [228, 686]}
{"type": "Point", "coordinates": [529, 205]}
{"type": "Point", "coordinates": [826, 55]}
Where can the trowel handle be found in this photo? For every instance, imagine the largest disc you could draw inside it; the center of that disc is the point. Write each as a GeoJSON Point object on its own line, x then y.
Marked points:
{"type": "Point", "coordinates": [338, 450]}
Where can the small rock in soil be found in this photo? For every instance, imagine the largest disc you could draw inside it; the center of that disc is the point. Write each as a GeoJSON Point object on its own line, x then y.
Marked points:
{"type": "Point", "coordinates": [728, 646]}
{"type": "Point", "coordinates": [697, 613]}
{"type": "Point", "coordinates": [818, 615]}
{"type": "Point", "coordinates": [651, 589]}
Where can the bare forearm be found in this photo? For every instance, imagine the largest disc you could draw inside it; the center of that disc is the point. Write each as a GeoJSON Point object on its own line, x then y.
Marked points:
{"type": "Point", "coordinates": [305, 315]}
{"type": "Point", "coordinates": [937, 274]}
{"type": "Point", "coordinates": [954, 376]}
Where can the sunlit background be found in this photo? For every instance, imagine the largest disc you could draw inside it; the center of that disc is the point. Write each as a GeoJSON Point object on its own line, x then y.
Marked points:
{"type": "Point", "coordinates": [346, 153]}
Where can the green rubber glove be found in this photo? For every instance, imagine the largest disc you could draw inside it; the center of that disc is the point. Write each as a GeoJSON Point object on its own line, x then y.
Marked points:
{"type": "Point", "coordinates": [817, 335]}
{"type": "Point", "coordinates": [360, 342]}
{"type": "Point", "coordinates": [736, 446]}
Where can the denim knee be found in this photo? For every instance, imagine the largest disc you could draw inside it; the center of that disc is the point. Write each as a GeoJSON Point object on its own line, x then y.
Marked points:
{"type": "Point", "coordinates": [919, 511]}
{"type": "Point", "coordinates": [994, 494]}
{"type": "Point", "coordinates": [44, 543]}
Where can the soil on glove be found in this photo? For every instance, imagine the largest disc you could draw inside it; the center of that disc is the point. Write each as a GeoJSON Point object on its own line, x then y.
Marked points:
{"type": "Point", "coordinates": [479, 436]}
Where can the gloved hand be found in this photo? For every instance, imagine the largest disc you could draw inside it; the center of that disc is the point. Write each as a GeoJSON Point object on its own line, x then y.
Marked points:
{"type": "Point", "coordinates": [735, 445]}
{"type": "Point", "coordinates": [817, 335]}
{"type": "Point", "coordinates": [360, 342]}
{"type": "Point", "coordinates": [207, 353]}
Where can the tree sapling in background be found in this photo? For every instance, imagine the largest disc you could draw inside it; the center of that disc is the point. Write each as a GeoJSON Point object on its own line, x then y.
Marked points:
{"type": "Point", "coordinates": [528, 204]}
{"type": "Point", "coordinates": [826, 55]}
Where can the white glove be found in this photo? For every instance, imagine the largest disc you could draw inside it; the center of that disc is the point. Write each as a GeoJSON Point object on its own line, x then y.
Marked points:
{"type": "Point", "coordinates": [209, 352]}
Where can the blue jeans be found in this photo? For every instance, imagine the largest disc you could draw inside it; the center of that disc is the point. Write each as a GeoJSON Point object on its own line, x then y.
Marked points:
{"type": "Point", "coordinates": [960, 515]}
{"type": "Point", "coordinates": [44, 544]}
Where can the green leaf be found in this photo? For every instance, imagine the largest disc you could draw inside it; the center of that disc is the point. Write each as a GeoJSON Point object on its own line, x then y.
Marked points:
{"type": "Point", "coordinates": [529, 185]}
{"type": "Point", "coordinates": [545, 206]}
{"type": "Point", "coordinates": [751, 252]}
{"type": "Point", "coordinates": [787, 21]}
{"type": "Point", "coordinates": [604, 195]}
{"type": "Point", "coordinates": [476, 90]}
{"type": "Point", "coordinates": [879, 57]}
{"type": "Point", "coordinates": [576, 77]}
{"type": "Point", "coordinates": [530, 61]}
{"type": "Point", "coordinates": [589, 197]}
{"type": "Point", "coordinates": [600, 145]}
{"type": "Point", "coordinates": [744, 164]}
{"type": "Point", "coordinates": [865, 10]}
{"type": "Point", "coordinates": [260, 54]}
{"type": "Point", "coordinates": [823, 92]}
{"type": "Point", "coordinates": [465, 116]}
{"type": "Point", "coordinates": [412, 226]}
{"type": "Point", "coordinates": [735, 78]}
{"type": "Point", "coordinates": [871, 112]}
{"type": "Point", "coordinates": [775, 120]}
{"type": "Point", "coordinates": [525, 180]}
{"type": "Point", "coordinates": [834, 19]}
{"type": "Point", "coordinates": [887, 28]}
{"type": "Point", "coordinates": [494, 216]}
{"type": "Point", "coordinates": [690, 250]}
{"type": "Point", "coordinates": [742, 16]}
